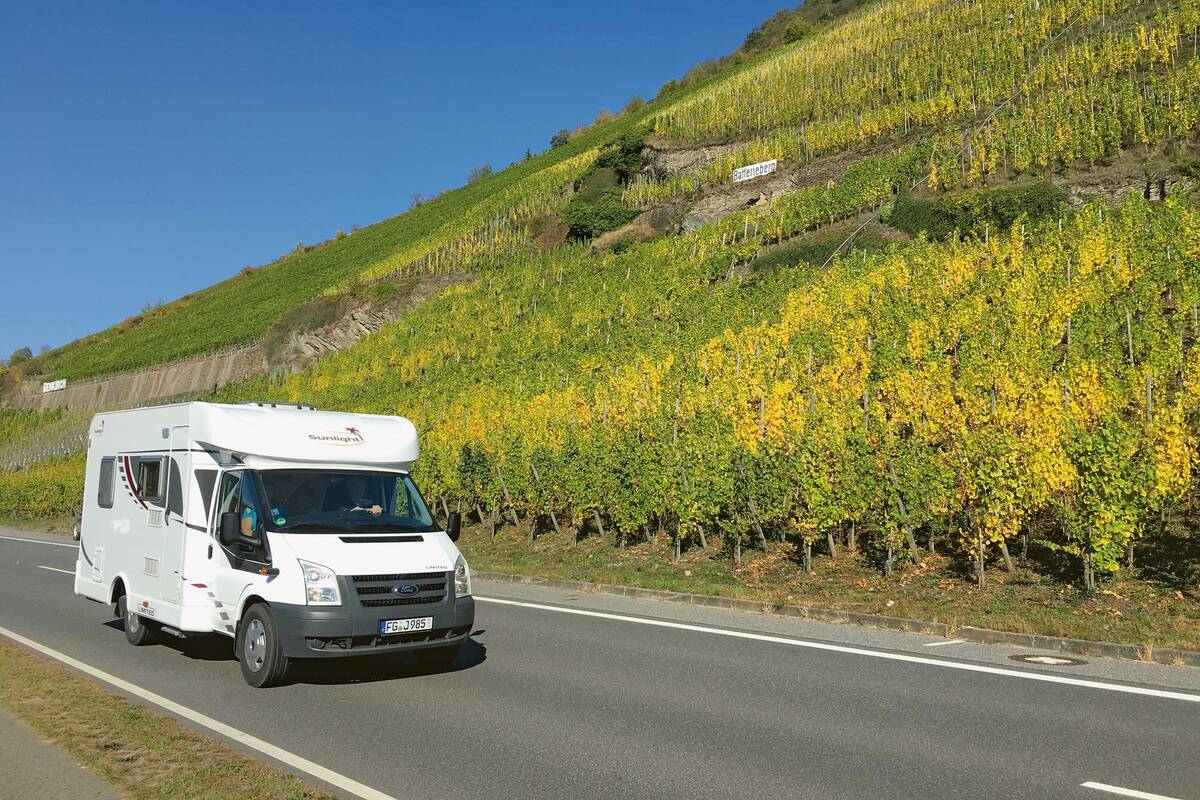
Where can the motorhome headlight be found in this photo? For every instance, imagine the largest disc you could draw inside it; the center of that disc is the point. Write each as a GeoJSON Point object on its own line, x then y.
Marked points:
{"type": "Point", "coordinates": [320, 585]}
{"type": "Point", "coordinates": [462, 578]}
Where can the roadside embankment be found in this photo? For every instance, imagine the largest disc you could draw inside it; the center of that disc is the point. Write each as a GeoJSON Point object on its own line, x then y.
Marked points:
{"type": "Point", "coordinates": [1130, 617]}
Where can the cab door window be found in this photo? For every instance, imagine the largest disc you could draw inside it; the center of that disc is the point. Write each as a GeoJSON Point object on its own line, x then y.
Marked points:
{"type": "Point", "coordinates": [238, 495]}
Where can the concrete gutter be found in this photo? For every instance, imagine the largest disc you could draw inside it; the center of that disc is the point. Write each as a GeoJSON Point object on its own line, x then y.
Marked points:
{"type": "Point", "coordinates": [969, 633]}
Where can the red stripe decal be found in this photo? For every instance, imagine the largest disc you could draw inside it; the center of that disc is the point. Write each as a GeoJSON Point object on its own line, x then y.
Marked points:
{"type": "Point", "coordinates": [132, 483]}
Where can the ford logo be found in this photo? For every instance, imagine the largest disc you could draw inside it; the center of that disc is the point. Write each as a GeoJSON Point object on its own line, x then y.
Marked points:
{"type": "Point", "coordinates": [406, 588]}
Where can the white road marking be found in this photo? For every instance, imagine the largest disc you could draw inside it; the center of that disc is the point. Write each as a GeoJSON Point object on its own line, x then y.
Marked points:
{"type": "Point", "coordinates": [39, 541]}
{"type": "Point", "coordinates": [948, 641]}
{"type": "Point", "coordinates": [56, 569]}
{"type": "Point", "coordinates": [858, 651]}
{"type": "Point", "coordinates": [1104, 787]}
{"type": "Point", "coordinates": [254, 743]}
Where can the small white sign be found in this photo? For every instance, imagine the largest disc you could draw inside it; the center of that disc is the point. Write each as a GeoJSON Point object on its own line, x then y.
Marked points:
{"type": "Point", "coordinates": [54, 386]}
{"type": "Point", "coordinates": [754, 170]}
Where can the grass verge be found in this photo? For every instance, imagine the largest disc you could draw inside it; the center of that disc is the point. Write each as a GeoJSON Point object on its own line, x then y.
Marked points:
{"type": "Point", "coordinates": [140, 752]}
{"type": "Point", "coordinates": [1130, 610]}
{"type": "Point", "coordinates": [43, 524]}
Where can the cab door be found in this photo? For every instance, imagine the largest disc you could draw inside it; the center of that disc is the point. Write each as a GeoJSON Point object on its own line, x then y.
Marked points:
{"type": "Point", "coordinates": [236, 566]}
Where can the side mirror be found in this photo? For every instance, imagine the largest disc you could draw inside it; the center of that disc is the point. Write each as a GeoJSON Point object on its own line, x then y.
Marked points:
{"type": "Point", "coordinates": [454, 525]}
{"type": "Point", "coordinates": [231, 528]}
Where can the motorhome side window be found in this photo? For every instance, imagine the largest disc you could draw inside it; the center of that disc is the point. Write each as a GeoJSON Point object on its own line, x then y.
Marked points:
{"type": "Point", "coordinates": [104, 494]}
{"type": "Point", "coordinates": [149, 474]}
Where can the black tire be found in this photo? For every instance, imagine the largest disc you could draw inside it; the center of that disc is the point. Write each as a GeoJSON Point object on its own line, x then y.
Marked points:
{"type": "Point", "coordinates": [437, 658]}
{"type": "Point", "coordinates": [259, 650]}
{"type": "Point", "coordinates": [138, 630]}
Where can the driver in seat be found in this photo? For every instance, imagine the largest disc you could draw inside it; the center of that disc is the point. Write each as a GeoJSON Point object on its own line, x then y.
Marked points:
{"type": "Point", "coordinates": [339, 496]}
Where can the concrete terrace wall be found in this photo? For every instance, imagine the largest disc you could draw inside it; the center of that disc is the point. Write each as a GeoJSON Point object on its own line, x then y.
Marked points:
{"type": "Point", "coordinates": [134, 388]}
{"type": "Point", "coordinates": [200, 374]}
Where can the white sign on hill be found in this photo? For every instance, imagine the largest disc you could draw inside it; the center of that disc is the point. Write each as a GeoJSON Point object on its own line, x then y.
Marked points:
{"type": "Point", "coordinates": [754, 170]}
{"type": "Point", "coordinates": [54, 386]}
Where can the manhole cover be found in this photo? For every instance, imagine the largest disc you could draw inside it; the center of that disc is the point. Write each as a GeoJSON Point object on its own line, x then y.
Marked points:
{"type": "Point", "coordinates": [1049, 661]}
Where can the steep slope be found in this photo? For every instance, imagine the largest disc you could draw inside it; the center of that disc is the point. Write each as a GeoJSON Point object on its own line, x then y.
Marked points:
{"type": "Point", "coordinates": [246, 306]}
{"type": "Point", "coordinates": [888, 71]}
{"type": "Point", "coordinates": [477, 226]}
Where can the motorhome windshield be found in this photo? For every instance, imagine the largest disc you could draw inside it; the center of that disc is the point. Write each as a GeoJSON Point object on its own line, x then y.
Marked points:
{"type": "Point", "coordinates": [311, 501]}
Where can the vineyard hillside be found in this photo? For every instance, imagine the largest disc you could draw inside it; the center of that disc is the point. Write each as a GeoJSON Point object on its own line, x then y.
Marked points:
{"type": "Point", "coordinates": [477, 226]}
{"type": "Point", "coordinates": [951, 341]}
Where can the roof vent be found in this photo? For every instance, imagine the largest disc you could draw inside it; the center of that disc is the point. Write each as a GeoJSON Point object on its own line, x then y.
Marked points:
{"type": "Point", "coordinates": [272, 404]}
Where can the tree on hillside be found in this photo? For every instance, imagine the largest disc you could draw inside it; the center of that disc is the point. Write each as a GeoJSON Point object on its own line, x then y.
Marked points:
{"type": "Point", "coordinates": [560, 138]}
{"type": "Point", "coordinates": [19, 355]}
{"type": "Point", "coordinates": [479, 173]}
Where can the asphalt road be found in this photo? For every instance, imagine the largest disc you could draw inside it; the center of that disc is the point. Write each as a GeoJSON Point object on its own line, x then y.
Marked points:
{"type": "Point", "coordinates": [557, 702]}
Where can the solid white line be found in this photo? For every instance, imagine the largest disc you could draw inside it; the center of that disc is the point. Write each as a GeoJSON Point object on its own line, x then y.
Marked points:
{"type": "Point", "coordinates": [858, 651]}
{"type": "Point", "coordinates": [1104, 787]}
{"type": "Point", "coordinates": [254, 743]}
{"type": "Point", "coordinates": [39, 541]}
{"type": "Point", "coordinates": [939, 644]}
{"type": "Point", "coordinates": [56, 569]}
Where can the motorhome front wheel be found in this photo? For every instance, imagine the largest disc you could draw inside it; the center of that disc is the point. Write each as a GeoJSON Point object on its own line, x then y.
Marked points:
{"type": "Point", "coordinates": [259, 650]}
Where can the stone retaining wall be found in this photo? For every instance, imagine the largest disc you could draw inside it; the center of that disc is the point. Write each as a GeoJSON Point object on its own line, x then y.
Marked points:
{"type": "Point", "coordinates": [133, 388]}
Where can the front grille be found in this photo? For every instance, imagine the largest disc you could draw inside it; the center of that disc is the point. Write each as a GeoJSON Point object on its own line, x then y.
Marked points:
{"type": "Point", "coordinates": [424, 587]}
{"type": "Point", "coordinates": [403, 601]}
{"type": "Point", "coordinates": [377, 591]}
{"type": "Point", "coordinates": [403, 576]}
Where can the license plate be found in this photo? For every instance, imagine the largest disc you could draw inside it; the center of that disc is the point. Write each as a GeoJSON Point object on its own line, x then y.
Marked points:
{"type": "Point", "coordinates": [390, 626]}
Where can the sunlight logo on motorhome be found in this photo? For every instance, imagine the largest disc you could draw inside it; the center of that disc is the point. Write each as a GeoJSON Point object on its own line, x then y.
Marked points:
{"type": "Point", "coordinates": [347, 437]}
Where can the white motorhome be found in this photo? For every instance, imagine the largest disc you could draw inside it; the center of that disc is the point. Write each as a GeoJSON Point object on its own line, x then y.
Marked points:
{"type": "Point", "coordinates": [297, 532]}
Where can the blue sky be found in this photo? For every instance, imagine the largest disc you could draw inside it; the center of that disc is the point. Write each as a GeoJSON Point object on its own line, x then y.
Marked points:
{"type": "Point", "coordinates": [151, 149]}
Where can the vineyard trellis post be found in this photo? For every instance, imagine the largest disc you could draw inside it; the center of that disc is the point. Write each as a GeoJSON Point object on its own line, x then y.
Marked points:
{"type": "Point", "coordinates": [512, 509]}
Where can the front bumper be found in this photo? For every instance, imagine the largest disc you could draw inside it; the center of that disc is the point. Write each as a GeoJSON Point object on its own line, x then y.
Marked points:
{"type": "Point", "coordinates": [314, 632]}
